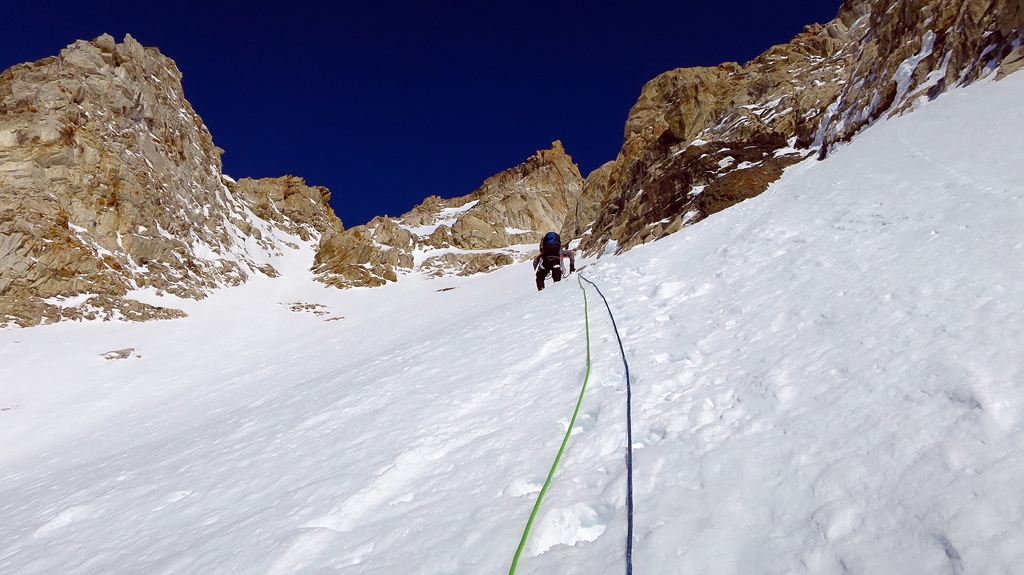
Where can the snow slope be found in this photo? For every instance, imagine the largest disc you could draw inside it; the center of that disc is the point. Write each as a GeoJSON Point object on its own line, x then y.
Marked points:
{"type": "Point", "coordinates": [827, 379]}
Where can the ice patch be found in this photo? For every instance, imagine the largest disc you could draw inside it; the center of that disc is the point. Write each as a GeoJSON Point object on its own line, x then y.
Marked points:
{"type": "Point", "coordinates": [905, 71]}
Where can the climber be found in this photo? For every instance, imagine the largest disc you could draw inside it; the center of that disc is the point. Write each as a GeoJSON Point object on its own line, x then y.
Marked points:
{"type": "Point", "coordinates": [550, 259]}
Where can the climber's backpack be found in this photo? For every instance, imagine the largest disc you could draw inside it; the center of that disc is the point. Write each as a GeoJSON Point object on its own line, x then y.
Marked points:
{"type": "Point", "coordinates": [551, 245]}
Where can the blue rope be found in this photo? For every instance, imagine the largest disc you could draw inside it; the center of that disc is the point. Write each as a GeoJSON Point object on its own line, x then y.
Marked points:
{"type": "Point", "coordinates": [629, 437]}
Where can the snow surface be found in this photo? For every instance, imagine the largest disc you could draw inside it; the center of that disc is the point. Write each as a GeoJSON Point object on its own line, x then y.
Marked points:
{"type": "Point", "coordinates": [827, 379]}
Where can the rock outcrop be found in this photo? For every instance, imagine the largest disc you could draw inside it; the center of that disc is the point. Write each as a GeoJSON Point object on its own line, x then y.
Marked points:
{"type": "Point", "coordinates": [702, 139]}
{"type": "Point", "coordinates": [110, 182]}
{"type": "Point", "coordinates": [288, 204]}
{"type": "Point", "coordinates": [920, 48]}
{"type": "Point", "coordinates": [463, 235]}
{"type": "Point", "coordinates": [699, 140]}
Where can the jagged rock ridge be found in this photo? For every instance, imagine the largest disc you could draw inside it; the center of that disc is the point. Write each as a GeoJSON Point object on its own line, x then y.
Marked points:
{"type": "Point", "coordinates": [464, 235]}
{"type": "Point", "coordinates": [909, 49]}
{"type": "Point", "coordinates": [110, 182]}
{"type": "Point", "coordinates": [699, 140]}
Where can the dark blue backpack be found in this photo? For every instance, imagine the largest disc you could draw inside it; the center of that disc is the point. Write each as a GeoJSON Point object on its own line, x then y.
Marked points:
{"type": "Point", "coordinates": [551, 245]}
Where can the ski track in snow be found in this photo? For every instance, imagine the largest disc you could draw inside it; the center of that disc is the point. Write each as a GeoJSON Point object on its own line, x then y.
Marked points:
{"type": "Point", "coordinates": [827, 379]}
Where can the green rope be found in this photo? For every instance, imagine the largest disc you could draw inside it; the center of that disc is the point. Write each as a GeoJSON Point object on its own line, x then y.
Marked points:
{"type": "Point", "coordinates": [568, 432]}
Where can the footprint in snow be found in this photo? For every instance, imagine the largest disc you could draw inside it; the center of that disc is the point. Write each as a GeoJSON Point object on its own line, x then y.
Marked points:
{"type": "Point", "coordinates": [174, 498]}
{"type": "Point", "coordinates": [668, 290]}
{"type": "Point", "coordinates": [664, 358]}
{"type": "Point", "coordinates": [665, 387]}
{"type": "Point", "coordinates": [581, 522]}
{"type": "Point", "coordinates": [693, 359]}
{"type": "Point", "coordinates": [584, 422]}
{"type": "Point", "coordinates": [521, 487]}
{"type": "Point", "coordinates": [649, 437]}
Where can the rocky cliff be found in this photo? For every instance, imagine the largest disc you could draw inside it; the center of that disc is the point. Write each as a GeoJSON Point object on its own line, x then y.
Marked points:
{"type": "Point", "coordinates": [912, 49]}
{"type": "Point", "coordinates": [464, 235]}
{"type": "Point", "coordinates": [110, 182]}
{"type": "Point", "coordinates": [699, 140]}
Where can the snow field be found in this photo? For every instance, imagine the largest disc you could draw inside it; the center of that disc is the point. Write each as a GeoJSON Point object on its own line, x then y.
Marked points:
{"type": "Point", "coordinates": [832, 380]}
{"type": "Point", "coordinates": [306, 441]}
{"type": "Point", "coordinates": [827, 379]}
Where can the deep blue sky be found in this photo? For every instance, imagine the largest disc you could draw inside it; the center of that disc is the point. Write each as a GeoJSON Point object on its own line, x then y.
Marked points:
{"type": "Point", "coordinates": [387, 102]}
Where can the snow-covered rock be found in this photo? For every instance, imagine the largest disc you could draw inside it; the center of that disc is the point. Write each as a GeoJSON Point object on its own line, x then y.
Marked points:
{"type": "Point", "coordinates": [110, 183]}
{"type": "Point", "coordinates": [470, 234]}
{"type": "Point", "coordinates": [875, 59]}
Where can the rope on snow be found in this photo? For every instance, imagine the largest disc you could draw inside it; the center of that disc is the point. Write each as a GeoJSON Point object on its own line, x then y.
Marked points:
{"type": "Point", "coordinates": [568, 432]}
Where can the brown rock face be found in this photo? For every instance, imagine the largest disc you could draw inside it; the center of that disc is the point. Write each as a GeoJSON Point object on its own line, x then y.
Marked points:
{"type": "Point", "coordinates": [920, 48]}
{"type": "Point", "coordinates": [701, 139]}
{"type": "Point", "coordinates": [109, 182]}
{"type": "Point", "coordinates": [288, 204]}
{"type": "Point", "coordinates": [465, 264]}
{"type": "Point", "coordinates": [101, 307]}
{"type": "Point", "coordinates": [519, 205]}
{"type": "Point", "coordinates": [512, 208]}
{"type": "Point", "coordinates": [360, 257]}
